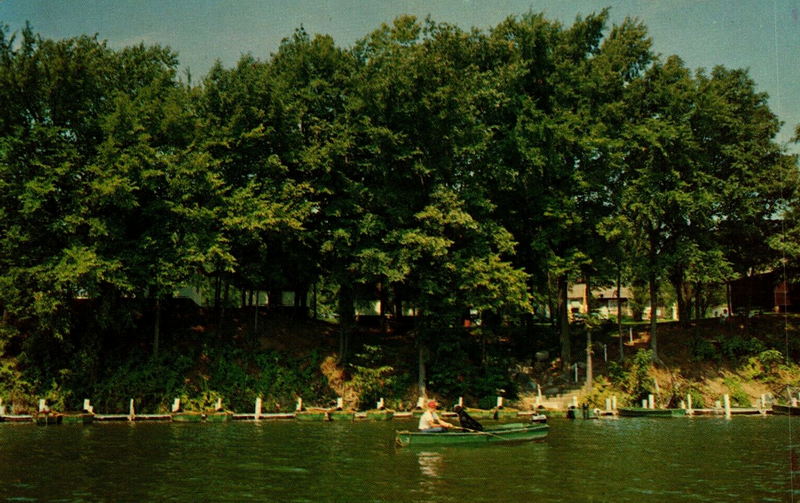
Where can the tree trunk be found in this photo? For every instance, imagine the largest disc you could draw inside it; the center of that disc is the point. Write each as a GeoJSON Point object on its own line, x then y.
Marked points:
{"type": "Point", "coordinates": [346, 310]}
{"type": "Point", "coordinates": [553, 312]}
{"type": "Point", "coordinates": [255, 313]}
{"type": "Point", "coordinates": [653, 313]}
{"type": "Point", "coordinates": [619, 312]}
{"type": "Point", "coordinates": [314, 302]}
{"type": "Point", "coordinates": [589, 370]}
{"type": "Point", "coordinates": [421, 376]}
{"type": "Point", "coordinates": [383, 298]}
{"type": "Point", "coordinates": [157, 327]}
{"type": "Point", "coordinates": [563, 322]}
{"type": "Point", "coordinates": [653, 284]}
{"type": "Point", "coordinates": [683, 297]}
{"type": "Point", "coordinates": [218, 296]}
{"type": "Point", "coordinates": [587, 295]}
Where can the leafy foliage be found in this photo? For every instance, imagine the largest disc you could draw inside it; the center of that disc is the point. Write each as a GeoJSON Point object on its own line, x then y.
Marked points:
{"type": "Point", "coordinates": [444, 172]}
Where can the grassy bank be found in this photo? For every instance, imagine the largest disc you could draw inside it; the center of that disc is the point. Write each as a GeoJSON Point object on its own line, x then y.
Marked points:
{"type": "Point", "coordinates": [282, 358]}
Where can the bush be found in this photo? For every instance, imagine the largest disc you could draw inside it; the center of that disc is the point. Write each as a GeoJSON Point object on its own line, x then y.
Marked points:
{"type": "Point", "coordinates": [766, 365]}
{"type": "Point", "coordinates": [603, 389]}
{"type": "Point", "coordinates": [739, 398]}
{"type": "Point", "coordinates": [736, 347]}
{"type": "Point", "coordinates": [634, 378]}
{"type": "Point", "coordinates": [703, 350]}
{"type": "Point", "coordinates": [698, 402]}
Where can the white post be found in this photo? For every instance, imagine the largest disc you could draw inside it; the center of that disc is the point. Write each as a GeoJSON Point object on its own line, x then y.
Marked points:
{"type": "Point", "coordinates": [131, 411]}
{"type": "Point", "coordinates": [2, 408]}
{"type": "Point", "coordinates": [763, 402]}
{"type": "Point", "coordinates": [87, 406]}
{"type": "Point", "coordinates": [499, 402]}
{"type": "Point", "coordinates": [299, 406]}
{"type": "Point", "coordinates": [644, 403]}
{"type": "Point", "coordinates": [176, 405]}
{"type": "Point", "coordinates": [42, 405]}
{"type": "Point", "coordinates": [339, 403]}
{"type": "Point", "coordinates": [630, 334]}
{"type": "Point", "coordinates": [538, 394]}
{"type": "Point", "coordinates": [608, 404]}
{"type": "Point", "coordinates": [689, 403]}
{"type": "Point", "coordinates": [421, 402]}
{"type": "Point", "coordinates": [461, 401]}
{"type": "Point", "coordinates": [681, 404]}
{"type": "Point", "coordinates": [380, 404]}
{"type": "Point", "coordinates": [651, 402]}
{"type": "Point", "coordinates": [218, 407]}
{"type": "Point", "coordinates": [575, 367]}
{"type": "Point", "coordinates": [727, 400]}
{"type": "Point", "coordinates": [613, 402]}
{"type": "Point", "coordinates": [258, 409]}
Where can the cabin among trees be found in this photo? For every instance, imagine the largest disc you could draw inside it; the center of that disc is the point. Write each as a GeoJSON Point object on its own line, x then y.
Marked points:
{"type": "Point", "coordinates": [766, 292]}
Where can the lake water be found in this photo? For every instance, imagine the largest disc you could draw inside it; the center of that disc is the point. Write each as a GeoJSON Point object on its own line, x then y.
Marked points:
{"type": "Point", "coordinates": [626, 460]}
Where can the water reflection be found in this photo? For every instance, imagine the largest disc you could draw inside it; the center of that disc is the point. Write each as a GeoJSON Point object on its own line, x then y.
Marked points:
{"type": "Point", "coordinates": [622, 461]}
{"type": "Point", "coordinates": [430, 463]}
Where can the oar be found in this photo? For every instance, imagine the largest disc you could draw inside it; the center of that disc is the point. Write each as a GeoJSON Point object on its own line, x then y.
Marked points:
{"type": "Point", "coordinates": [482, 432]}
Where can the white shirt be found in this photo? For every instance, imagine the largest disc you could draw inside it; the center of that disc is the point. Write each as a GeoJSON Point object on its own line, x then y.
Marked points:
{"type": "Point", "coordinates": [428, 420]}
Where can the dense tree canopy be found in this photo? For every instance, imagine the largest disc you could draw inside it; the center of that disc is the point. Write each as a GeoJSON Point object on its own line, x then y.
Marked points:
{"type": "Point", "coordinates": [428, 167]}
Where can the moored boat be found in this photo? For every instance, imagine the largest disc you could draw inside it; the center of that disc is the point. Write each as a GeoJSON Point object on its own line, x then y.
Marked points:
{"type": "Point", "coordinates": [482, 413]}
{"type": "Point", "coordinates": [78, 418]}
{"type": "Point", "coordinates": [505, 433]}
{"type": "Point", "coordinates": [312, 415]}
{"type": "Point", "coordinates": [187, 417]}
{"type": "Point", "coordinates": [48, 418]}
{"type": "Point", "coordinates": [341, 415]}
{"type": "Point", "coordinates": [379, 415]}
{"type": "Point", "coordinates": [504, 414]}
{"type": "Point", "coordinates": [218, 417]}
{"type": "Point", "coordinates": [791, 410]}
{"type": "Point", "coordinates": [642, 412]}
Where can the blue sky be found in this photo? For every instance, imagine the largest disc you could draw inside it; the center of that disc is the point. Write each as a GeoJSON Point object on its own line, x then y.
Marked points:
{"type": "Point", "coordinates": [760, 35]}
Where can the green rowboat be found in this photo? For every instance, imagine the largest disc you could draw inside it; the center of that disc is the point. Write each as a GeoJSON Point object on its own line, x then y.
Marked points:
{"type": "Point", "coordinates": [315, 415]}
{"type": "Point", "coordinates": [504, 414]}
{"type": "Point", "coordinates": [506, 433]}
{"type": "Point", "coordinates": [187, 417]}
{"type": "Point", "coordinates": [482, 413]}
{"type": "Point", "coordinates": [77, 418]}
{"type": "Point", "coordinates": [379, 415]}
{"type": "Point", "coordinates": [641, 412]}
{"type": "Point", "coordinates": [341, 415]}
{"type": "Point", "coordinates": [218, 417]}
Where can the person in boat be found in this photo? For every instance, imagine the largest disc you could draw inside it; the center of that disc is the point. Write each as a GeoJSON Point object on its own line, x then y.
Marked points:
{"type": "Point", "coordinates": [430, 422]}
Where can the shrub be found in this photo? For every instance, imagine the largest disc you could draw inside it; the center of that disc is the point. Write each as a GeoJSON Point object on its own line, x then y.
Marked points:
{"type": "Point", "coordinates": [765, 365]}
{"type": "Point", "coordinates": [703, 350]}
{"type": "Point", "coordinates": [633, 379]}
{"type": "Point", "coordinates": [736, 347]}
{"type": "Point", "coordinates": [739, 398]}
{"type": "Point", "coordinates": [698, 402]}
{"type": "Point", "coordinates": [603, 389]}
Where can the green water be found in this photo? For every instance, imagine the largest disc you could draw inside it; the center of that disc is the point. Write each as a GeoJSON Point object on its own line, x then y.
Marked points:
{"type": "Point", "coordinates": [625, 460]}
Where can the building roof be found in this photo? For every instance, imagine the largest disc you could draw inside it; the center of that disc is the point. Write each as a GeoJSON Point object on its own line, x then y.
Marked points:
{"type": "Point", "coordinates": [576, 291]}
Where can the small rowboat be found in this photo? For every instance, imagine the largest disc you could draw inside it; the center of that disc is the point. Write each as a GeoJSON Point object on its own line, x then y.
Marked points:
{"type": "Point", "coordinates": [790, 410]}
{"type": "Point", "coordinates": [505, 433]}
{"type": "Point", "coordinates": [641, 412]}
